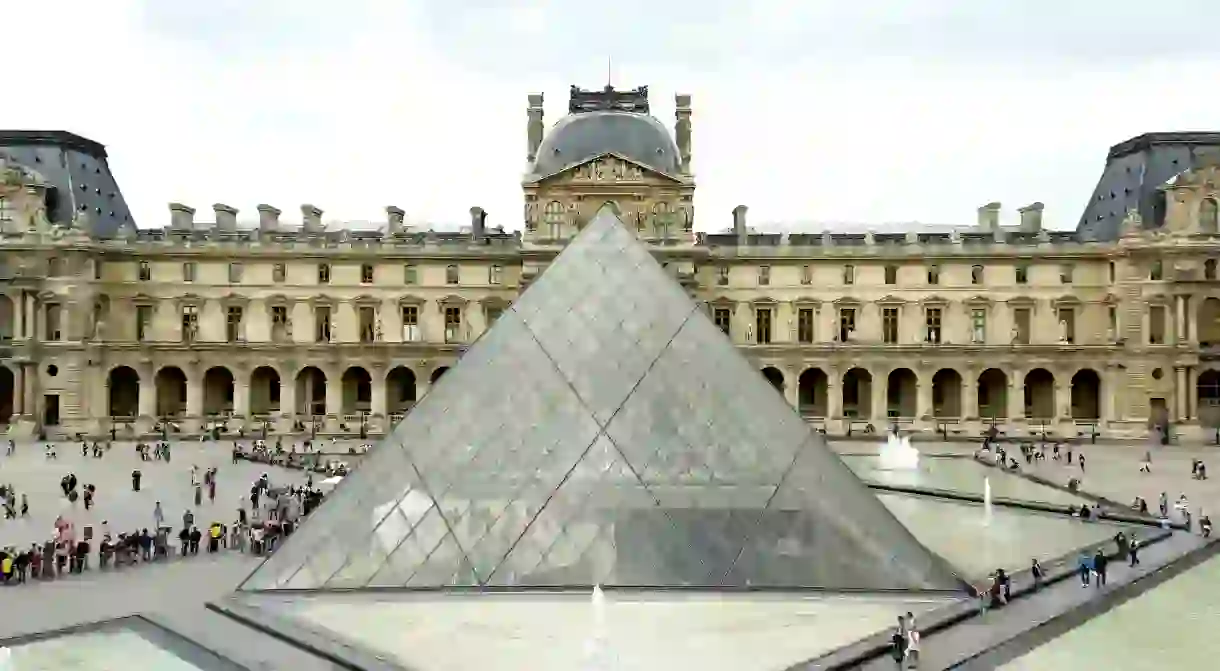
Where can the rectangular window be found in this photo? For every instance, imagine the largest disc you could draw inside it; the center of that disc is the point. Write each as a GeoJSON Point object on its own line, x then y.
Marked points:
{"type": "Point", "coordinates": [933, 274]}
{"type": "Point", "coordinates": [495, 274]}
{"type": "Point", "coordinates": [978, 325]}
{"type": "Point", "coordinates": [806, 274]}
{"type": "Point", "coordinates": [723, 317]}
{"type": "Point", "coordinates": [323, 273]}
{"type": "Point", "coordinates": [1067, 324]}
{"type": "Point", "coordinates": [976, 274]}
{"type": "Point", "coordinates": [278, 273]}
{"type": "Point", "coordinates": [1156, 325]}
{"type": "Point", "coordinates": [368, 323]}
{"type": "Point", "coordinates": [409, 274]}
{"type": "Point", "coordinates": [235, 273]}
{"type": "Point", "coordinates": [1157, 272]}
{"type": "Point", "coordinates": [932, 323]}
{"type": "Point", "coordinates": [1022, 274]}
{"type": "Point", "coordinates": [891, 274]}
{"type": "Point", "coordinates": [1021, 318]}
{"type": "Point", "coordinates": [889, 326]}
{"type": "Point", "coordinates": [453, 324]}
{"type": "Point", "coordinates": [493, 312]}
{"type": "Point", "coordinates": [145, 271]}
{"type": "Point", "coordinates": [366, 273]}
{"type": "Point", "coordinates": [190, 323]}
{"type": "Point", "coordinates": [233, 321]}
{"type": "Point", "coordinates": [722, 276]}
{"type": "Point", "coordinates": [55, 266]}
{"type": "Point", "coordinates": [1066, 273]}
{"type": "Point", "coordinates": [1113, 324]}
{"type": "Point", "coordinates": [188, 271]}
{"type": "Point", "coordinates": [849, 274]}
{"type": "Point", "coordinates": [804, 325]}
{"type": "Point", "coordinates": [762, 324]}
{"type": "Point", "coordinates": [1113, 272]}
{"type": "Point", "coordinates": [847, 323]}
{"type": "Point", "coordinates": [321, 324]}
{"type": "Point", "coordinates": [452, 274]}
{"type": "Point", "coordinates": [410, 323]}
{"type": "Point", "coordinates": [280, 331]}
{"type": "Point", "coordinates": [54, 324]}
{"type": "Point", "coordinates": [97, 270]}
{"type": "Point", "coordinates": [143, 322]}
{"type": "Point", "coordinates": [764, 276]}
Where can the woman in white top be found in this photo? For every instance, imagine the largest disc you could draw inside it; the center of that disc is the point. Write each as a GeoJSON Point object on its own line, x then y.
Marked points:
{"type": "Point", "coordinates": [912, 646]}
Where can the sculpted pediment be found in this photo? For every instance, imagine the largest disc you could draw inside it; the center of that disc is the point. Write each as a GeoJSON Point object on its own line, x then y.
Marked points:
{"type": "Point", "coordinates": [608, 169]}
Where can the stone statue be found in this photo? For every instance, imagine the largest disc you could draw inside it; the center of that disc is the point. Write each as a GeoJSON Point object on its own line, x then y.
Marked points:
{"type": "Point", "coordinates": [1063, 332]}
{"type": "Point", "coordinates": [1014, 335]}
{"type": "Point", "coordinates": [749, 333]}
{"type": "Point", "coordinates": [377, 331]}
{"type": "Point", "coordinates": [1111, 335]}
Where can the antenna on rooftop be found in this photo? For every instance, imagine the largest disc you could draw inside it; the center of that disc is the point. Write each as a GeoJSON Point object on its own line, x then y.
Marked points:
{"type": "Point", "coordinates": [609, 78]}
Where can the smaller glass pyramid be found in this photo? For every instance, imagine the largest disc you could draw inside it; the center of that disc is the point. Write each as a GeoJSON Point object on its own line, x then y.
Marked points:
{"type": "Point", "coordinates": [603, 431]}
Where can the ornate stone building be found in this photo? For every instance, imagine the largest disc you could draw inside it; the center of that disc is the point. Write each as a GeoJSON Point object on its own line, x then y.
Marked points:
{"type": "Point", "coordinates": [310, 327]}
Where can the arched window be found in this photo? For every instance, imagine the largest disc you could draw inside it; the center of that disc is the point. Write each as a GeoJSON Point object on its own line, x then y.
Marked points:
{"type": "Point", "coordinates": [662, 220]}
{"type": "Point", "coordinates": [554, 216]}
{"type": "Point", "coordinates": [1209, 269]}
{"type": "Point", "coordinates": [1209, 216]}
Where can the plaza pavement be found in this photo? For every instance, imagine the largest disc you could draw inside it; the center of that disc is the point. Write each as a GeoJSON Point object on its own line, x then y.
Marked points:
{"type": "Point", "coordinates": [157, 587]}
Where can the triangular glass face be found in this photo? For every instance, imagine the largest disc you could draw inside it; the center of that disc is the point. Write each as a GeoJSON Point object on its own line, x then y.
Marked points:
{"type": "Point", "coordinates": [603, 431]}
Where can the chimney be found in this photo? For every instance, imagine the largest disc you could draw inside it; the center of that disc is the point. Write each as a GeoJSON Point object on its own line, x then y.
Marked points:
{"type": "Point", "coordinates": [268, 218]}
{"type": "Point", "coordinates": [1031, 217]}
{"type": "Point", "coordinates": [682, 114]}
{"type": "Point", "coordinates": [739, 224]}
{"type": "Point", "coordinates": [181, 217]}
{"type": "Point", "coordinates": [478, 219]}
{"type": "Point", "coordinates": [394, 215]}
{"type": "Point", "coordinates": [226, 217]}
{"type": "Point", "coordinates": [533, 127]}
{"type": "Point", "coordinates": [989, 217]}
{"type": "Point", "coordinates": [311, 219]}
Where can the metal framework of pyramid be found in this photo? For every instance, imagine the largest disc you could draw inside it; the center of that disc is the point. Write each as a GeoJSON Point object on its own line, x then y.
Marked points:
{"type": "Point", "coordinates": [603, 431]}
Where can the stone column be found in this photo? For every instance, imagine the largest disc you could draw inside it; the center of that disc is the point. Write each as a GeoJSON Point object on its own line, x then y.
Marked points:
{"type": "Point", "coordinates": [288, 397]}
{"type": "Point", "coordinates": [834, 395]}
{"type": "Point", "coordinates": [1180, 394]}
{"type": "Point", "coordinates": [1192, 394]}
{"type": "Point", "coordinates": [31, 404]}
{"type": "Point", "coordinates": [1179, 329]}
{"type": "Point", "coordinates": [18, 301]}
{"type": "Point", "coordinates": [18, 389]}
{"type": "Point", "coordinates": [377, 407]}
{"type": "Point", "coordinates": [334, 393]}
{"type": "Point", "coordinates": [879, 416]}
{"type": "Point", "coordinates": [1192, 326]}
{"type": "Point", "coordinates": [241, 394]}
{"type": "Point", "coordinates": [1063, 401]}
{"type": "Point", "coordinates": [148, 395]}
{"type": "Point", "coordinates": [31, 318]}
{"type": "Point", "coordinates": [923, 395]}
{"type": "Point", "coordinates": [194, 399]}
{"type": "Point", "coordinates": [1016, 396]}
{"type": "Point", "coordinates": [970, 396]}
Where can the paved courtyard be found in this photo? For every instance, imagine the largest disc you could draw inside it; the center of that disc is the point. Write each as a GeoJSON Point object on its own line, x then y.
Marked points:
{"type": "Point", "coordinates": [98, 595]}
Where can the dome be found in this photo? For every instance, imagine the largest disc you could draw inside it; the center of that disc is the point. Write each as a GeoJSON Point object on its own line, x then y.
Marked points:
{"type": "Point", "coordinates": [579, 137]}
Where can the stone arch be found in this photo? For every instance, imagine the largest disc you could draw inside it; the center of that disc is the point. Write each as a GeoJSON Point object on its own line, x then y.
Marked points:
{"type": "Point", "coordinates": [1086, 394]}
{"type": "Point", "coordinates": [123, 392]}
{"type": "Point", "coordinates": [400, 390]}
{"type": "Point", "coordinates": [901, 393]}
{"type": "Point", "coordinates": [7, 319]}
{"type": "Point", "coordinates": [311, 391]}
{"type": "Point", "coordinates": [993, 394]}
{"type": "Point", "coordinates": [947, 393]}
{"type": "Point", "coordinates": [1209, 322]}
{"type": "Point", "coordinates": [812, 388]}
{"type": "Point", "coordinates": [858, 393]}
{"type": "Point", "coordinates": [776, 377]}
{"type": "Point", "coordinates": [170, 384]}
{"type": "Point", "coordinates": [1207, 390]}
{"type": "Point", "coordinates": [357, 387]}
{"type": "Point", "coordinates": [8, 394]}
{"type": "Point", "coordinates": [218, 384]}
{"type": "Point", "coordinates": [264, 391]}
{"type": "Point", "coordinates": [1039, 394]}
{"type": "Point", "coordinates": [438, 373]}
{"type": "Point", "coordinates": [1209, 216]}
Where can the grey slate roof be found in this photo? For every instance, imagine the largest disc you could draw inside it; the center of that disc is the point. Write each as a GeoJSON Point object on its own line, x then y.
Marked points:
{"type": "Point", "coordinates": [579, 137]}
{"type": "Point", "coordinates": [77, 169]}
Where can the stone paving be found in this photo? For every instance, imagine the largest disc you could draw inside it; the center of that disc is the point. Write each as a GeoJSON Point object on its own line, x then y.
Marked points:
{"type": "Point", "coordinates": [97, 595]}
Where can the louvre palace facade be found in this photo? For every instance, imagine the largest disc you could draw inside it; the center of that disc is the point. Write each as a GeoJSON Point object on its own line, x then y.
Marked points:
{"type": "Point", "coordinates": [294, 324]}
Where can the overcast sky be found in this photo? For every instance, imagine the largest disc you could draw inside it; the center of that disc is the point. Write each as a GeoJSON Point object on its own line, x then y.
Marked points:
{"type": "Point", "coordinates": [811, 111]}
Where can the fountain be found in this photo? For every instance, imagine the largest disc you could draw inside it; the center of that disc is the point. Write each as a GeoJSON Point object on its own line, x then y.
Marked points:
{"type": "Point", "coordinates": [897, 453]}
{"type": "Point", "coordinates": [986, 501]}
{"type": "Point", "coordinates": [597, 652]}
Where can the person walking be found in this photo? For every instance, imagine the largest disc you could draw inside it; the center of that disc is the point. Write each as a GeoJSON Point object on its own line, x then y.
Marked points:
{"type": "Point", "coordinates": [1099, 568]}
{"type": "Point", "coordinates": [1133, 557]}
{"type": "Point", "coordinates": [1084, 566]}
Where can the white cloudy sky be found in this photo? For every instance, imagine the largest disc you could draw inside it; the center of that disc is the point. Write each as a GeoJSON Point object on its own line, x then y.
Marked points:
{"type": "Point", "coordinates": [870, 111]}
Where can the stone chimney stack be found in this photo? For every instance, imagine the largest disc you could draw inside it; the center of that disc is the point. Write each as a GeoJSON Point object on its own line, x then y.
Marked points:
{"type": "Point", "coordinates": [268, 218]}
{"type": "Point", "coordinates": [739, 224]}
{"type": "Point", "coordinates": [533, 128]}
{"type": "Point", "coordinates": [682, 113]}
{"type": "Point", "coordinates": [1031, 217]}
{"type": "Point", "coordinates": [311, 219]}
{"type": "Point", "coordinates": [395, 216]}
{"type": "Point", "coordinates": [478, 223]}
{"type": "Point", "coordinates": [181, 217]}
{"type": "Point", "coordinates": [226, 217]}
{"type": "Point", "coordinates": [989, 217]}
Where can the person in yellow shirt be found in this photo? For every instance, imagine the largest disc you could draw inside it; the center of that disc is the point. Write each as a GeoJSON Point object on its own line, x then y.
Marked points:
{"type": "Point", "coordinates": [6, 565]}
{"type": "Point", "coordinates": [214, 532]}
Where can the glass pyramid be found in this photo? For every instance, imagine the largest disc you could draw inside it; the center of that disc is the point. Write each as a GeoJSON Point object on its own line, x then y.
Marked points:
{"type": "Point", "coordinates": [603, 431]}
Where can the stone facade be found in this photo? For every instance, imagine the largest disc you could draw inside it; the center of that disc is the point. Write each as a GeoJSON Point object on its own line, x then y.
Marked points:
{"type": "Point", "coordinates": [309, 327]}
